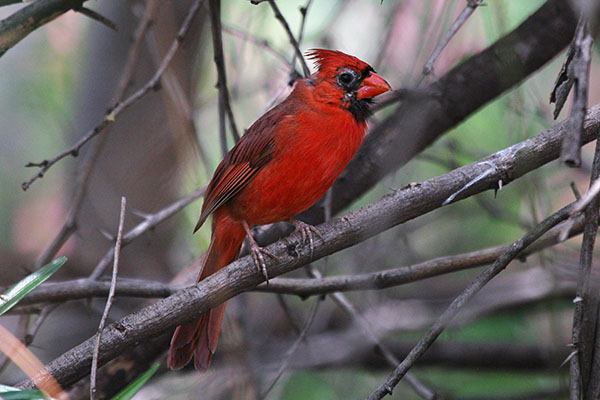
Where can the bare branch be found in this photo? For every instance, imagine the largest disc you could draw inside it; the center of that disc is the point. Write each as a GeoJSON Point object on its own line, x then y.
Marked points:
{"type": "Point", "coordinates": [97, 17]}
{"type": "Point", "coordinates": [408, 274]}
{"type": "Point", "coordinates": [460, 21]}
{"type": "Point", "coordinates": [58, 292]}
{"type": "Point", "coordinates": [149, 222]}
{"type": "Point", "coordinates": [24, 21]}
{"type": "Point", "coordinates": [224, 102]}
{"type": "Point", "coordinates": [109, 301]}
{"type": "Point", "coordinates": [118, 108]}
{"type": "Point", "coordinates": [293, 73]}
{"type": "Point", "coordinates": [575, 71]}
{"type": "Point", "coordinates": [301, 337]}
{"type": "Point", "coordinates": [291, 37]}
{"type": "Point", "coordinates": [262, 43]}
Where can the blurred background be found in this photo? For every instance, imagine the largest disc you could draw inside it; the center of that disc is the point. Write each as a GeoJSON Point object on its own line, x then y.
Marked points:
{"type": "Point", "coordinates": [58, 83]}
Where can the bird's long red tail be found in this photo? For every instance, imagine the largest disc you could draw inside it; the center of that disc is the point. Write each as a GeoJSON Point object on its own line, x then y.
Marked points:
{"type": "Point", "coordinates": [199, 338]}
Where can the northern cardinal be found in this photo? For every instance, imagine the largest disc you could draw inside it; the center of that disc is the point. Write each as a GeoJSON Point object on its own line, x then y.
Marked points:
{"type": "Point", "coordinates": [285, 162]}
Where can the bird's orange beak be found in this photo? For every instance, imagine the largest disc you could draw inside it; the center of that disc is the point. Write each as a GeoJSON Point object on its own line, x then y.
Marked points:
{"type": "Point", "coordinates": [373, 85]}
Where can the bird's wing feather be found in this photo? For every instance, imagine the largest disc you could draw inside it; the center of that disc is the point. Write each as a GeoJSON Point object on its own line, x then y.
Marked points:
{"type": "Point", "coordinates": [239, 166]}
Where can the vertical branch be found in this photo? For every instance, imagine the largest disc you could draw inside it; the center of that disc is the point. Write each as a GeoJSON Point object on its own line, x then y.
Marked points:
{"type": "Point", "coordinates": [587, 301]}
{"type": "Point", "coordinates": [109, 300]}
{"type": "Point", "coordinates": [571, 145]}
{"type": "Point", "coordinates": [291, 37]}
{"type": "Point", "coordinates": [224, 103]}
{"type": "Point", "coordinates": [460, 21]}
{"type": "Point", "coordinates": [301, 337]}
{"type": "Point", "coordinates": [303, 11]}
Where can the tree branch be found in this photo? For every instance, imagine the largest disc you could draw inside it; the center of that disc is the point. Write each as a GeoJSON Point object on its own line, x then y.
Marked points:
{"type": "Point", "coordinates": [458, 23]}
{"type": "Point", "coordinates": [24, 21]}
{"type": "Point", "coordinates": [224, 103]}
{"type": "Point", "coordinates": [291, 37]}
{"type": "Point", "coordinates": [110, 300]}
{"type": "Point", "coordinates": [408, 274]}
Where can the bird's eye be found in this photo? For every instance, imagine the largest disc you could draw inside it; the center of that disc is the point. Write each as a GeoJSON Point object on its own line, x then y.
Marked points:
{"type": "Point", "coordinates": [347, 78]}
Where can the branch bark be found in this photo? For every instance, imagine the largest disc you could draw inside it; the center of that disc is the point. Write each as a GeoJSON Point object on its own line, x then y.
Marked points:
{"type": "Point", "coordinates": [20, 24]}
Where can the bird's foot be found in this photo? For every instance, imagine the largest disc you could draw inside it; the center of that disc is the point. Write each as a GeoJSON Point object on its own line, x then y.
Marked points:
{"type": "Point", "coordinates": [306, 231]}
{"type": "Point", "coordinates": [257, 254]}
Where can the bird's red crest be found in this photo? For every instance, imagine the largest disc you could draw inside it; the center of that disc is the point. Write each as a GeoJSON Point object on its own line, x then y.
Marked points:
{"type": "Point", "coordinates": [328, 62]}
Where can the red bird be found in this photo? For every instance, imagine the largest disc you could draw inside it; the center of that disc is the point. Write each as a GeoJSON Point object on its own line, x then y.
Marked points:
{"type": "Point", "coordinates": [285, 162]}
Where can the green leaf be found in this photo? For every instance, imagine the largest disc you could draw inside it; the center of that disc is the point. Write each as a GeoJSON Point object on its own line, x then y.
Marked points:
{"type": "Point", "coordinates": [15, 394]}
{"type": "Point", "coordinates": [26, 285]}
{"type": "Point", "coordinates": [137, 384]}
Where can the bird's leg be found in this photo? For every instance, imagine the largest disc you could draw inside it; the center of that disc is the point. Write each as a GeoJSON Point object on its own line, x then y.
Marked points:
{"type": "Point", "coordinates": [257, 253]}
{"type": "Point", "coordinates": [306, 231]}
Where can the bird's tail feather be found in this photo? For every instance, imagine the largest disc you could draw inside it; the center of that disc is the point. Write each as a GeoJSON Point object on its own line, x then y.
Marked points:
{"type": "Point", "coordinates": [199, 338]}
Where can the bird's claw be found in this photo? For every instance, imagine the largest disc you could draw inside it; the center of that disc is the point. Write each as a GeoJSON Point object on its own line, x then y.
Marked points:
{"type": "Point", "coordinates": [307, 231]}
{"type": "Point", "coordinates": [257, 253]}
{"type": "Point", "coordinates": [259, 260]}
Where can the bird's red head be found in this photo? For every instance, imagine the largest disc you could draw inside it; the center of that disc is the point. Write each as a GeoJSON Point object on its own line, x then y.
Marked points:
{"type": "Point", "coordinates": [332, 64]}
{"type": "Point", "coordinates": [350, 76]}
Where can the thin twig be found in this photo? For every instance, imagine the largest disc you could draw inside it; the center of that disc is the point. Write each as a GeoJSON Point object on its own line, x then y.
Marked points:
{"type": "Point", "coordinates": [303, 12]}
{"type": "Point", "coordinates": [109, 118]}
{"type": "Point", "coordinates": [460, 21]}
{"type": "Point", "coordinates": [262, 43]}
{"type": "Point", "coordinates": [288, 356]}
{"type": "Point", "coordinates": [581, 205]}
{"type": "Point", "coordinates": [35, 327]}
{"type": "Point", "coordinates": [291, 37]}
{"type": "Point", "coordinates": [342, 301]}
{"type": "Point", "coordinates": [109, 301]}
{"type": "Point", "coordinates": [97, 17]}
{"type": "Point", "coordinates": [149, 222]}
{"type": "Point", "coordinates": [288, 313]}
{"type": "Point", "coordinates": [442, 322]}
{"type": "Point", "coordinates": [76, 289]}
{"type": "Point", "coordinates": [224, 102]}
